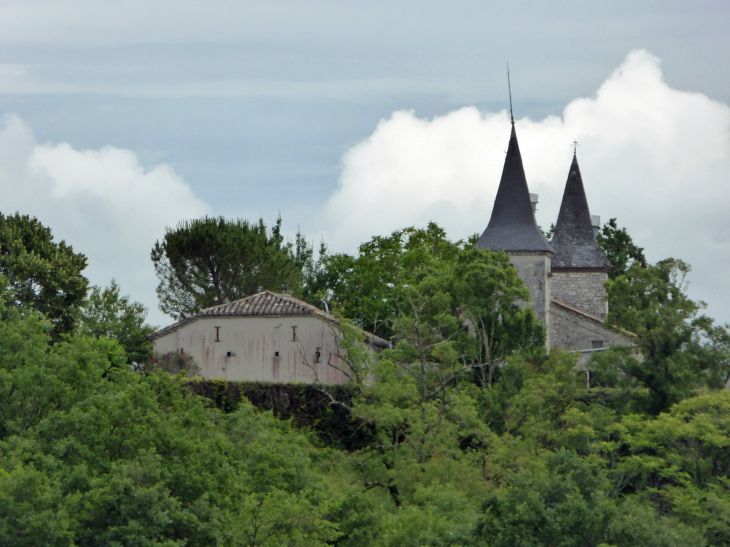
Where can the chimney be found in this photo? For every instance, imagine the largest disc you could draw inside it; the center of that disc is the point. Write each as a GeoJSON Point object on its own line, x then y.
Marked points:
{"type": "Point", "coordinates": [533, 202]}
{"type": "Point", "coordinates": [596, 222]}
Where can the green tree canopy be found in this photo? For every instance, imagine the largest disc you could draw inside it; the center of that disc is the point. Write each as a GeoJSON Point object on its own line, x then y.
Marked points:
{"type": "Point", "coordinates": [373, 288]}
{"type": "Point", "coordinates": [619, 248]}
{"type": "Point", "coordinates": [678, 349]}
{"type": "Point", "coordinates": [105, 312]}
{"type": "Point", "coordinates": [211, 261]}
{"type": "Point", "coordinates": [43, 275]}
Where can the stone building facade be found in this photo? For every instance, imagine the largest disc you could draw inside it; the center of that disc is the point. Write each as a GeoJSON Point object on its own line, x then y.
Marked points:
{"type": "Point", "coordinates": [565, 276]}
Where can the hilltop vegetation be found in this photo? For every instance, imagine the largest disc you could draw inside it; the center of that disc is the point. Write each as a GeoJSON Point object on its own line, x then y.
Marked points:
{"type": "Point", "coordinates": [469, 432]}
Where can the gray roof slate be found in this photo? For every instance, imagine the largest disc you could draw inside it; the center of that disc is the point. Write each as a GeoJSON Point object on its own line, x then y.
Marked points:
{"type": "Point", "coordinates": [512, 226]}
{"type": "Point", "coordinates": [574, 242]}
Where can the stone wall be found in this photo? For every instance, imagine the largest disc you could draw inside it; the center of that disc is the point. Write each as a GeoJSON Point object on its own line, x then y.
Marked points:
{"type": "Point", "coordinates": [534, 271]}
{"type": "Point", "coordinates": [574, 331]}
{"type": "Point", "coordinates": [582, 290]}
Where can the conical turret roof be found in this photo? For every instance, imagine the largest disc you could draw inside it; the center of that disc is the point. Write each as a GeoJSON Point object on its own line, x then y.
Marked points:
{"type": "Point", "coordinates": [574, 242]}
{"type": "Point", "coordinates": [512, 226]}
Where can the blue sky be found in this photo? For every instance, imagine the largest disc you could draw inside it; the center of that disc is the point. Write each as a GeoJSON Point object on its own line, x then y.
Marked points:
{"type": "Point", "coordinates": [122, 118]}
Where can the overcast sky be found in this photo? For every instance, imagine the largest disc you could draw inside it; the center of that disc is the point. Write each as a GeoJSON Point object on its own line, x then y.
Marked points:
{"type": "Point", "coordinates": [356, 118]}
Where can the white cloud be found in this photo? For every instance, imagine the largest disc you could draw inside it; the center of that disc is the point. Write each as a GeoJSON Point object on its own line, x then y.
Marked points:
{"type": "Point", "coordinates": [102, 202]}
{"type": "Point", "coordinates": [653, 156]}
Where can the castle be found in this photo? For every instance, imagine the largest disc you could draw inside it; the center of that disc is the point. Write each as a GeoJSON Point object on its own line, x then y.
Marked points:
{"type": "Point", "coordinates": [565, 276]}
{"type": "Point", "coordinates": [277, 338]}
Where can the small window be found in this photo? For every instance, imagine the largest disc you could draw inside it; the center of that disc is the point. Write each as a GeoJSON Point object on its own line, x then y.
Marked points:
{"type": "Point", "coordinates": [294, 333]}
{"type": "Point", "coordinates": [217, 334]}
{"type": "Point", "coordinates": [317, 354]}
{"type": "Point", "coordinates": [276, 354]}
{"type": "Point", "coordinates": [597, 344]}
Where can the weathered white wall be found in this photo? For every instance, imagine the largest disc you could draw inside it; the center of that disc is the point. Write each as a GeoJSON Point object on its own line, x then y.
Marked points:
{"type": "Point", "coordinates": [534, 270]}
{"type": "Point", "coordinates": [583, 290]}
{"type": "Point", "coordinates": [254, 342]}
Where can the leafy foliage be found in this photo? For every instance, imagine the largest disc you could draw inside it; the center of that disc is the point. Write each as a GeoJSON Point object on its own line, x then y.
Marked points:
{"type": "Point", "coordinates": [619, 248]}
{"type": "Point", "coordinates": [42, 275]}
{"type": "Point", "coordinates": [106, 312]}
{"type": "Point", "coordinates": [466, 432]}
{"type": "Point", "coordinates": [678, 350]}
{"type": "Point", "coordinates": [173, 362]}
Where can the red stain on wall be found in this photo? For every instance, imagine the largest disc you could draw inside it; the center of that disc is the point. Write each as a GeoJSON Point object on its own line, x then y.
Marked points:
{"type": "Point", "coordinates": [275, 368]}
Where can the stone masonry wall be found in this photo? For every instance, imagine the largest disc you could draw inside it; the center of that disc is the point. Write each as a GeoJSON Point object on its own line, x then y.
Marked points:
{"type": "Point", "coordinates": [571, 331]}
{"type": "Point", "coordinates": [533, 269]}
{"type": "Point", "coordinates": [582, 290]}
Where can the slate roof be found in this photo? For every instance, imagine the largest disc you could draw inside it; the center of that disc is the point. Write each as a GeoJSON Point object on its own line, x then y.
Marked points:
{"type": "Point", "coordinates": [512, 226]}
{"type": "Point", "coordinates": [263, 304]}
{"type": "Point", "coordinates": [578, 311]}
{"type": "Point", "coordinates": [574, 242]}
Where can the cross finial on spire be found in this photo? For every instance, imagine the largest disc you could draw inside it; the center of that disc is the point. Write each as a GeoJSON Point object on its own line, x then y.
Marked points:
{"type": "Point", "coordinates": [509, 86]}
{"type": "Point", "coordinates": [575, 147]}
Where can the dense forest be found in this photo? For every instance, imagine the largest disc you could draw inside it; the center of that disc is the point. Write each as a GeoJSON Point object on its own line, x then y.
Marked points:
{"type": "Point", "coordinates": [468, 432]}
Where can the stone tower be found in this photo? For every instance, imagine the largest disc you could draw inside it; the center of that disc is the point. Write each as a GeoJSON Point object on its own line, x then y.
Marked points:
{"type": "Point", "coordinates": [512, 228]}
{"type": "Point", "coordinates": [579, 267]}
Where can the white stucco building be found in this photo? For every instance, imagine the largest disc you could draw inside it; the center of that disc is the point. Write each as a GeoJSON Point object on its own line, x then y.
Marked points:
{"type": "Point", "coordinates": [266, 337]}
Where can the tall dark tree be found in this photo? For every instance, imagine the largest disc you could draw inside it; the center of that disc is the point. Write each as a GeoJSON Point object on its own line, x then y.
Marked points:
{"type": "Point", "coordinates": [43, 275]}
{"type": "Point", "coordinates": [619, 248]}
{"type": "Point", "coordinates": [211, 261]}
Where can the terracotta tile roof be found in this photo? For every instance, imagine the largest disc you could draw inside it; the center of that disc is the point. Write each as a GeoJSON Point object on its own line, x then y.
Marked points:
{"type": "Point", "coordinates": [267, 304]}
{"type": "Point", "coordinates": [263, 304]}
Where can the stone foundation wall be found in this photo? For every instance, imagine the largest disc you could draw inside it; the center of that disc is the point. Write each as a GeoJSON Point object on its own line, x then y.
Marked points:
{"type": "Point", "coordinates": [582, 290]}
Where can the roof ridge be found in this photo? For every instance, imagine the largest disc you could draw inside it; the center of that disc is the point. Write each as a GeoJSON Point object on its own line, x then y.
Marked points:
{"type": "Point", "coordinates": [577, 310]}
{"type": "Point", "coordinates": [591, 316]}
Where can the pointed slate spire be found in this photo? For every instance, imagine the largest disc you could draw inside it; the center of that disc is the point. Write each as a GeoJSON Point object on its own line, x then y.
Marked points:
{"type": "Point", "coordinates": [574, 242]}
{"type": "Point", "coordinates": [512, 226]}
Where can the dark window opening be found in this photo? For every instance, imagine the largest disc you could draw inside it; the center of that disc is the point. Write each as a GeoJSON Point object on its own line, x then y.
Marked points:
{"type": "Point", "coordinates": [276, 354]}
{"type": "Point", "coordinates": [217, 334]}
{"type": "Point", "coordinates": [294, 333]}
{"type": "Point", "coordinates": [317, 354]}
{"type": "Point", "coordinates": [597, 344]}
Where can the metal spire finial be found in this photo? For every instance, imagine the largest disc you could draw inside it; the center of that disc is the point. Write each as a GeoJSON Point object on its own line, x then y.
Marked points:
{"type": "Point", "coordinates": [575, 147]}
{"type": "Point", "coordinates": [509, 86]}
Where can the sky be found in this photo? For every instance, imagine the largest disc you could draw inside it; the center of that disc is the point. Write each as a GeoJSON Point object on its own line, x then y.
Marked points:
{"type": "Point", "coordinates": [353, 119]}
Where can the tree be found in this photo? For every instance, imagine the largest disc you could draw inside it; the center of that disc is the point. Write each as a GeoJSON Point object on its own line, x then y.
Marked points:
{"type": "Point", "coordinates": [43, 275]}
{"type": "Point", "coordinates": [94, 454]}
{"type": "Point", "coordinates": [370, 289]}
{"type": "Point", "coordinates": [106, 313]}
{"type": "Point", "coordinates": [619, 248]}
{"type": "Point", "coordinates": [212, 261]}
{"type": "Point", "coordinates": [454, 314]}
{"type": "Point", "coordinates": [562, 501]}
{"type": "Point", "coordinates": [677, 350]}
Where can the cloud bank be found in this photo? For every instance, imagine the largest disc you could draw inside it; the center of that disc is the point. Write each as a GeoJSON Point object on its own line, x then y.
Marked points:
{"type": "Point", "coordinates": [655, 157]}
{"type": "Point", "coordinates": [102, 202]}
